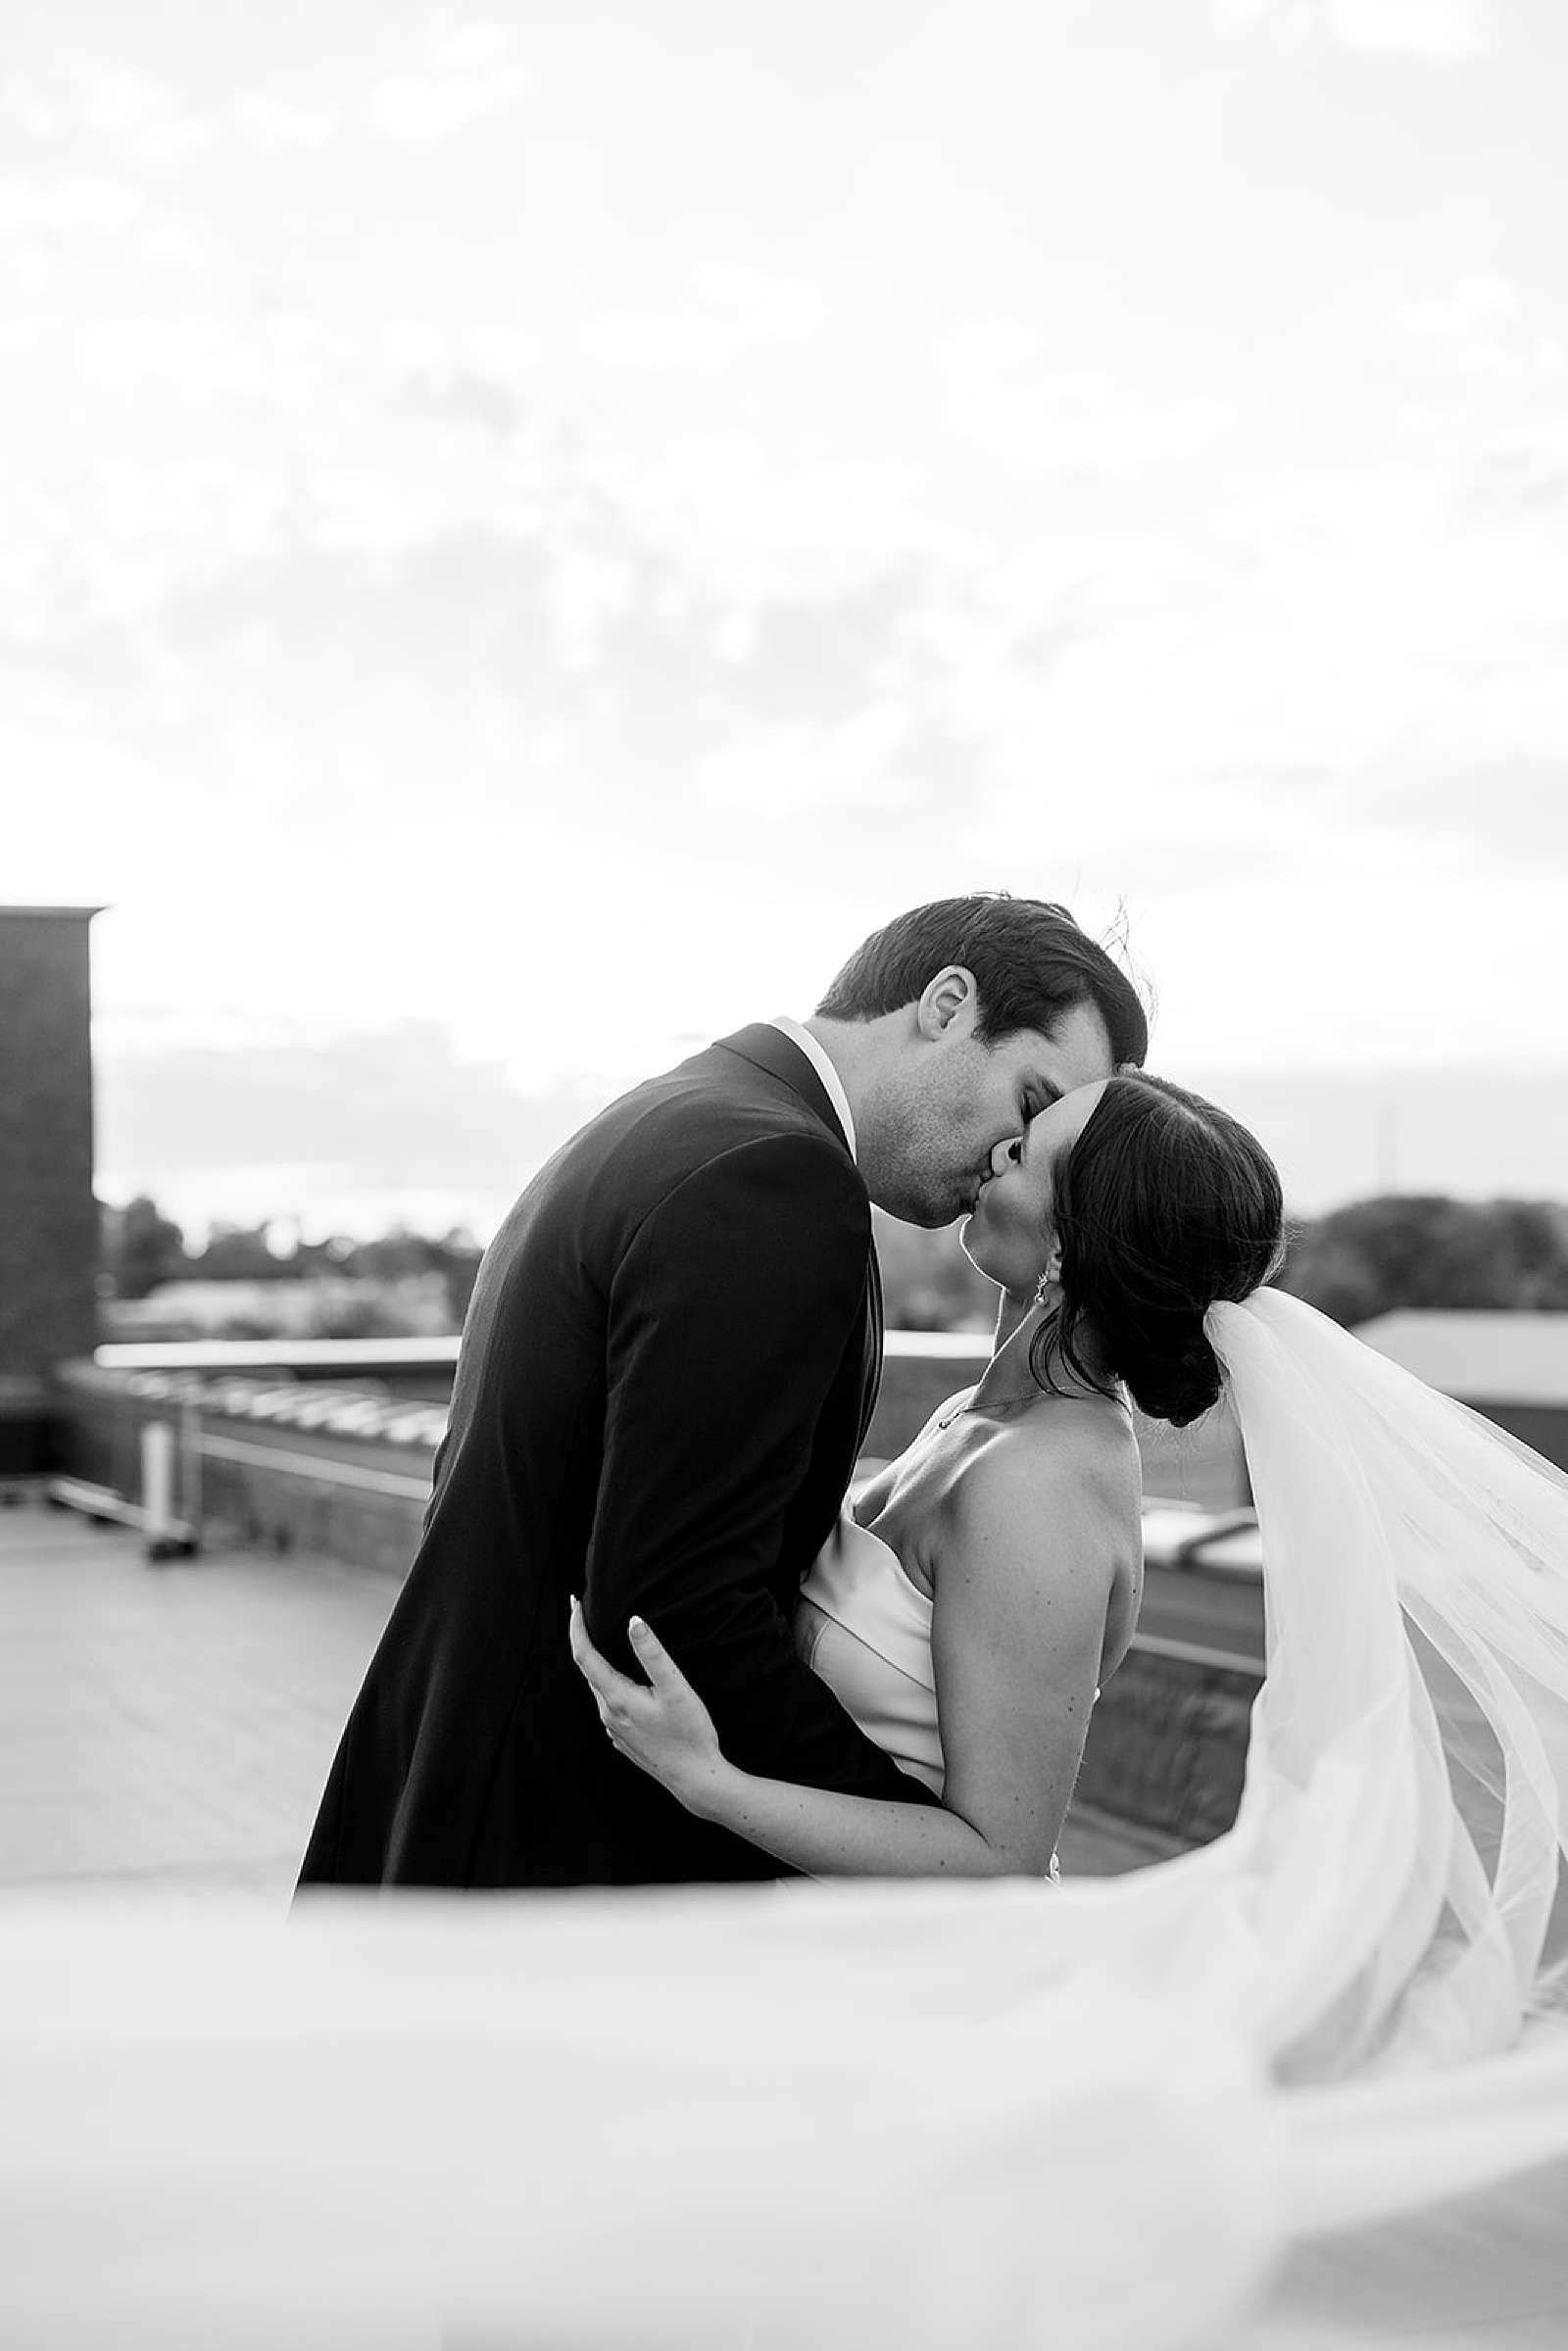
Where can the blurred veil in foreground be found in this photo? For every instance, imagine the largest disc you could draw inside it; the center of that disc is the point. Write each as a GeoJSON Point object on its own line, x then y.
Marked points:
{"type": "Point", "coordinates": [824, 2115]}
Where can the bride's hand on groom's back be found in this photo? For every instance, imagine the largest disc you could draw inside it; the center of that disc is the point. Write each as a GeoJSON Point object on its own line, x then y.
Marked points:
{"type": "Point", "coordinates": [661, 1724]}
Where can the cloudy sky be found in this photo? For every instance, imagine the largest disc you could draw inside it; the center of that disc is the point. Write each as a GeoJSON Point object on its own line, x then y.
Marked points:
{"type": "Point", "coordinates": [525, 533]}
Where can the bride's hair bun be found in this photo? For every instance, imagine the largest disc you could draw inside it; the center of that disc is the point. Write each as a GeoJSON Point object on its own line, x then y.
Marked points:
{"type": "Point", "coordinates": [1164, 1205]}
{"type": "Point", "coordinates": [1177, 1387]}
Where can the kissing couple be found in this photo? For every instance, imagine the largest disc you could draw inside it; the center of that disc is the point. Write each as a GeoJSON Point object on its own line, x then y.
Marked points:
{"type": "Point", "coordinates": [645, 1639]}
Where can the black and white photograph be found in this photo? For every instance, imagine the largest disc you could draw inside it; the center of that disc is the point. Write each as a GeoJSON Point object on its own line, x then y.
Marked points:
{"type": "Point", "coordinates": [783, 1175]}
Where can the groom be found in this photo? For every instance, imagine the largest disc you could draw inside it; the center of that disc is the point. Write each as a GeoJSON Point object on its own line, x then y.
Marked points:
{"type": "Point", "coordinates": [665, 1376]}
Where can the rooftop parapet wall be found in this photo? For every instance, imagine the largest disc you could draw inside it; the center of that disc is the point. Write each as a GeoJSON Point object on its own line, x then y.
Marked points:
{"type": "Point", "coordinates": [344, 1473]}
{"type": "Point", "coordinates": [921, 1369]}
{"type": "Point", "coordinates": [340, 1471]}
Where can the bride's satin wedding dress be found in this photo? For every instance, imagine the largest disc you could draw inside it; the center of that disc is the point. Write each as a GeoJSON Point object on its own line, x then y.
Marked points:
{"type": "Point", "coordinates": [864, 1627]}
{"type": "Point", "coordinates": [824, 2115]}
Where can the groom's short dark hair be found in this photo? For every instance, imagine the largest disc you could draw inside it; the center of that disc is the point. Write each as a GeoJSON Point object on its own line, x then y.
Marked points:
{"type": "Point", "coordinates": [1031, 965]}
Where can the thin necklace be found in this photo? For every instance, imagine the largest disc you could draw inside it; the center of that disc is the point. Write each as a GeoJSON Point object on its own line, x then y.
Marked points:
{"type": "Point", "coordinates": [994, 1403]}
{"type": "Point", "coordinates": [975, 1402]}
{"type": "Point", "coordinates": [1011, 1404]}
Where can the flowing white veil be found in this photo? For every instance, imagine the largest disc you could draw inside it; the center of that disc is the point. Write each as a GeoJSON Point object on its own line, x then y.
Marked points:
{"type": "Point", "coordinates": [1406, 1797]}
{"type": "Point", "coordinates": [816, 2116]}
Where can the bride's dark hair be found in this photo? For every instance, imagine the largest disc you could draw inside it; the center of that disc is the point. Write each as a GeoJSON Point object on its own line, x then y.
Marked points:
{"type": "Point", "coordinates": [1164, 1205]}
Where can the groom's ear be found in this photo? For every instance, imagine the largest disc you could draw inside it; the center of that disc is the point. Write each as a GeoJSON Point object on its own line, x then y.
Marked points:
{"type": "Point", "coordinates": [951, 999]}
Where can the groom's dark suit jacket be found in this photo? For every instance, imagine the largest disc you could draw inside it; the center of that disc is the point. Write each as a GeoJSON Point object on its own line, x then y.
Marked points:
{"type": "Point", "coordinates": [668, 1365]}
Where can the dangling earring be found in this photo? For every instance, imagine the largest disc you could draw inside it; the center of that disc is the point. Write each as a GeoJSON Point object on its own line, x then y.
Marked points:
{"type": "Point", "coordinates": [1049, 1276]}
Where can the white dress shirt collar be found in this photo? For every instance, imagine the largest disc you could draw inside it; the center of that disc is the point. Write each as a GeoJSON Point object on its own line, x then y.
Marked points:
{"type": "Point", "coordinates": [825, 1070]}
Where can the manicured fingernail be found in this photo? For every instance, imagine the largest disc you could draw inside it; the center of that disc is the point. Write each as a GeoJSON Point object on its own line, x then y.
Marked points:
{"type": "Point", "coordinates": [637, 1625]}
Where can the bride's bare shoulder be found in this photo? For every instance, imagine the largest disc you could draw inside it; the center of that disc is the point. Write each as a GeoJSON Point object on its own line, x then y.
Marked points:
{"type": "Point", "coordinates": [1073, 1461]}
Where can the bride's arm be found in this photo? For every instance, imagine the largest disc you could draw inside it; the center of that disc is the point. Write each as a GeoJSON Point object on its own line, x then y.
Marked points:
{"type": "Point", "coordinates": [1026, 1568]}
{"type": "Point", "coordinates": [665, 1728]}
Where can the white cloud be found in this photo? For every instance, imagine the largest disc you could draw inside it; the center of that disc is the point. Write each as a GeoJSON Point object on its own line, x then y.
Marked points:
{"type": "Point", "coordinates": [172, 245]}
{"type": "Point", "coordinates": [286, 357]}
{"type": "Point", "coordinates": [1365, 671]}
{"type": "Point", "coordinates": [149, 121]}
{"type": "Point", "coordinates": [414, 347]}
{"type": "Point", "coordinates": [127, 102]}
{"type": "Point", "coordinates": [1478, 329]}
{"type": "Point", "coordinates": [1357, 971]}
{"type": "Point", "coordinates": [425, 107]}
{"type": "Point", "coordinates": [588, 592]}
{"type": "Point", "coordinates": [1497, 475]}
{"type": "Point", "coordinates": [799, 768]}
{"type": "Point", "coordinates": [660, 342]}
{"type": "Point", "coordinates": [1444, 31]}
{"type": "Point", "coordinates": [730, 310]}
{"type": "Point", "coordinates": [94, 206]}
{"type": "Point", "coordinates": [26, 107]}
{"type": "Point", "coordinates": [470, 48]}
{"type": "Point", "coordinates": [769, 309]}
{"type": "Point", "coordinates": [1472, 305]}
{"type": "Point", "coordinates": [82, 829]}
{"type": "Point", "coordinates": [867, 504]}
{"type": "Point", "coordinates": [31, 267]}
{"type": "Point", "coordinates": [505, 354]}
{"type": "Point", "coordinates": [986, 346]}
{"type": "Point", "coordinates": [300, 364]}
{"type": "Point", "coordinates": [1082, 421]}
{"type": "Point", "coordinates": [216, 438]}
{"type": "Point", "coordinates": [723, 483]}
{"type": "Point", "coordinates": [279, 123]}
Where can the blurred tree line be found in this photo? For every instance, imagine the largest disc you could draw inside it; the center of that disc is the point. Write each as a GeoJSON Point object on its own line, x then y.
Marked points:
{"type": "Point", "coordinates": [1368, 1258]}
{"type": "Point", "coordinates": [1406, 1249]}
{"type": "Point", "coordinates": [142, 1249]}
{"type": "Point", "coordinates": [1415, 1250]}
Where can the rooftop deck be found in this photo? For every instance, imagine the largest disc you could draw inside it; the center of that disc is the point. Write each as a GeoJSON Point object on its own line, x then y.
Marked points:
{"type": "Point", "coordinates": [174, 1722]}
{"type": "Point", "coordinates": [171, 1722]}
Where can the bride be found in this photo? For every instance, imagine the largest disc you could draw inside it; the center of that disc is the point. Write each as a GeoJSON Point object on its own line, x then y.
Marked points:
{"type": "Point", "coordinates": [987, 1585]}
{"type": "Point", "coordinates": [1390, 1892]}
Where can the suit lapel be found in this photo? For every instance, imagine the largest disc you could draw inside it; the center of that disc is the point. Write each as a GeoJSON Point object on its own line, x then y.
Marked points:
{"type": "Point", "coordinates": [769, 1049]}
{"type": "Point", "coordinates": [873, 1344]}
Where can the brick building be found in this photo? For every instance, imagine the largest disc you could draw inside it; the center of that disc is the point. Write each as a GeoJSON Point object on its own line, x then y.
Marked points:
{"type": "Point", "coordinates": [48, 1218]}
